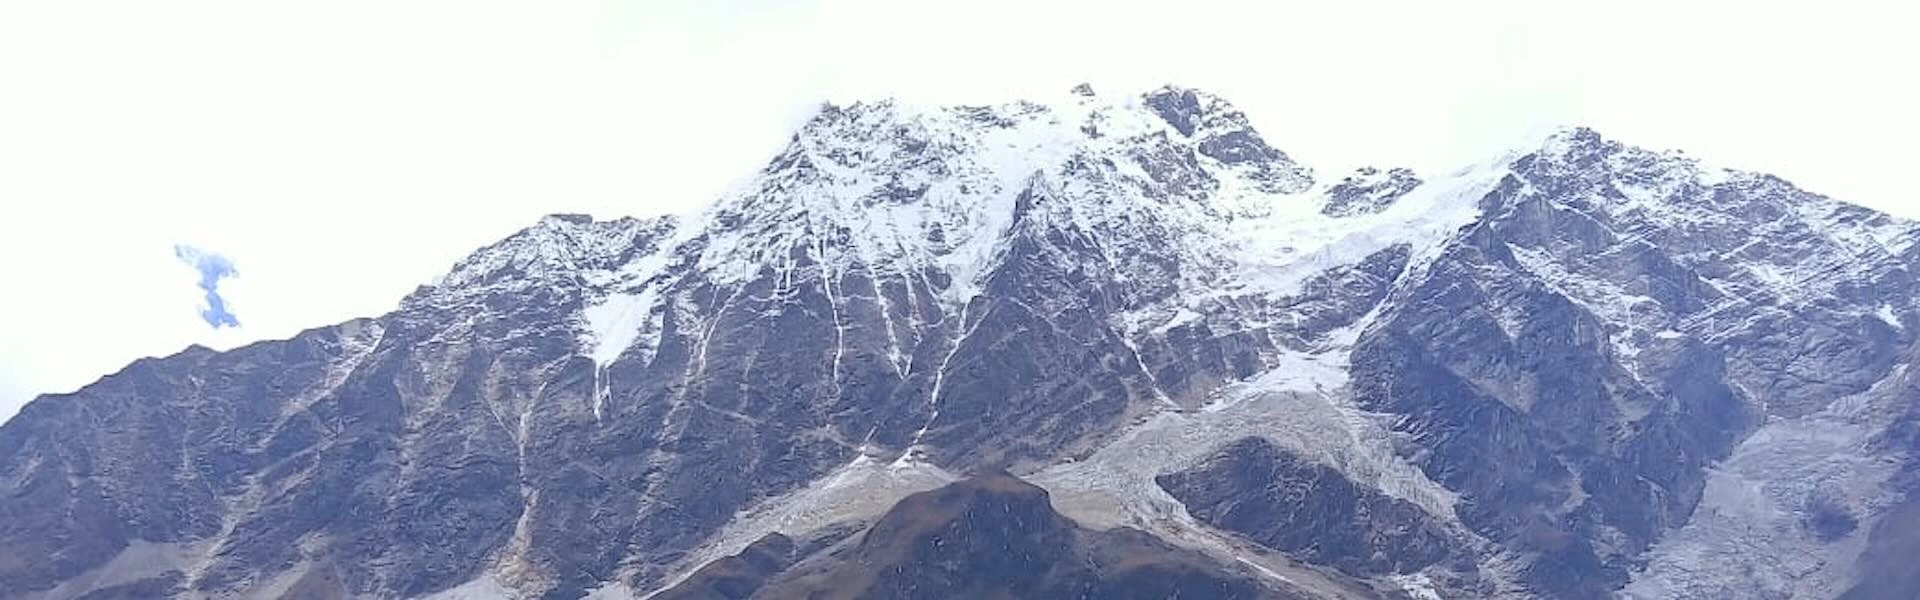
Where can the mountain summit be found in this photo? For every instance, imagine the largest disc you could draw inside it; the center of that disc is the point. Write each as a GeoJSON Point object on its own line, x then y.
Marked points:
{"type": "Point", "coordinates": [1577, 370]}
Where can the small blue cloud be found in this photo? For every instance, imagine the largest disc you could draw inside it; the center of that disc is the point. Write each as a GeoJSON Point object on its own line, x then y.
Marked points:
{"type": "Point", "coordinates": [212, 267]}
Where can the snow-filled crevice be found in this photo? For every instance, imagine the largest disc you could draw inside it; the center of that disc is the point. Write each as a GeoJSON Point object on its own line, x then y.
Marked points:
{"type": "Point", "coordinates": [1159, 393]}
{"type": "Point", "coordinates": [619, 324]}
{"type": "Point", "coordinates": [914, 448]}
{"type": "Point", "coordinates": [898, 359]}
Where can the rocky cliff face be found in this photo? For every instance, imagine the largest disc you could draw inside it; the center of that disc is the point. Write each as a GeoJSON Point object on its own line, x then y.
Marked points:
{"type": "Point", "coordinates": [1313, 511]}
{"type": "Point", "coordinates": [1578, 370]}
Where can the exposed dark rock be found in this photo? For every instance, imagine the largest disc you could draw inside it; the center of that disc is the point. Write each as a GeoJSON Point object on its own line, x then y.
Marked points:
{"type": "Point", "coordinates": [1368, 191]}
{"type": "Point", "coordinates": [1311, 512]}
{"type": "Point", "coordinates": [1237, 147]}
{"type": "Point", "coordinates": [1181, 108]}
{"type": "Point", "coordinates": [738, 576]}
{"type": "Point", "coordinates": [1225, 135]}
{"type": "Point", "coordinates": [1174, 167]}
{"type": "Point", "coordinates": [1828, 519]}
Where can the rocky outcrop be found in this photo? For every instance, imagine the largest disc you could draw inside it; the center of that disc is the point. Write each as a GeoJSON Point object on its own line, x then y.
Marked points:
{"type": "Point", "coordinates": [995, 536]}
{"type": "Point", "coordinates": [736, 577]}
{"type": "Point", "coordinates": [1312, 512]}
{"type": "Point", "coordinates": [1367, 191]}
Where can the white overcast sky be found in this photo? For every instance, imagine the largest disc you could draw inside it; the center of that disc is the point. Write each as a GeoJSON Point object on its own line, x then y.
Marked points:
{"type": "Point", "coordinates": [342, 152]}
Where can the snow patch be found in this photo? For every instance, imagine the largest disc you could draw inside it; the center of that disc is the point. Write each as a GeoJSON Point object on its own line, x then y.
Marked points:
{"type": "Point", "coordinates": [1886, 314]}
{"type": "Point", "coordinates": [615, 323]}
{"type": "Point", "coordinates": [483, 588]}
{"type": "Point", "coordinates": [1417, 585]}
{"type": "Point", "coordinates": [1319, 373]}
{"type": "Point", "coordinates": [612, 591]}
{"type": "Point", "coordinates": [618, 323]}
{"type": "Point", "coordinates": [1297, 242]}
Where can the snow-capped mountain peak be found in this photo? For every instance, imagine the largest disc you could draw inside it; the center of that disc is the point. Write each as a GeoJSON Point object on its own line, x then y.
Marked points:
{"type": "Point", "coordinates": [556, 249]}
{"type": "Point", "coordinates": [902, 188]}
{"type": "Point", "coordinates": [1575, 369]}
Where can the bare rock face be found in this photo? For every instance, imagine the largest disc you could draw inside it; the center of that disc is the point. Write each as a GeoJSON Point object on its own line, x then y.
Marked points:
{"type": "Point", "coordinates": [1224, 134]}
{"type": "Point", "coordinates": [1311, 511]}
{"type": "Point", "coordinates": [1367, 191]}
{"type": "Point", "coordinates": [1582, 370]}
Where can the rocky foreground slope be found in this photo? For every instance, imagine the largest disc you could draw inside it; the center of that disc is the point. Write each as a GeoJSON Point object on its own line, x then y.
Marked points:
{"type": "Point", "coordinates": [991, 536]}
{"type": "Point", "coordinates": [1578, 370]}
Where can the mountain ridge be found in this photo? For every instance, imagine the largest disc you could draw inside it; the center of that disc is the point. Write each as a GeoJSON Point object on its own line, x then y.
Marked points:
{"type": "Point", "coordinates": [1552, 358]}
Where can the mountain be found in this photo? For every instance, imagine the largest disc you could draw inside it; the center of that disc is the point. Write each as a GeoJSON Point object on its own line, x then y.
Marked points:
{"type": "Point", "coordinates": [1576, 370]}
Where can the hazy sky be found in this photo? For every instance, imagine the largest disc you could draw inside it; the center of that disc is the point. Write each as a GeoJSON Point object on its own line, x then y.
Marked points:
{"type": "Point", "coordinates": [338, 153]}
